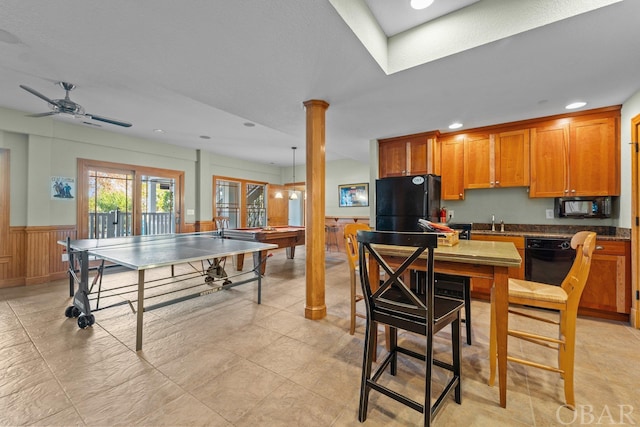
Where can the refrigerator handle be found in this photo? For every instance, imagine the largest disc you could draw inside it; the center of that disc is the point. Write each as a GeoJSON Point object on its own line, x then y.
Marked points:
{"type": "Point", "coordinates": [425, 204]}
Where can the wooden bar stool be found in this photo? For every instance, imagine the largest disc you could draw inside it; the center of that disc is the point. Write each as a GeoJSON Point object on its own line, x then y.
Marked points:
{"type": "Point", "coordinates": [351, 247]}
{"type": "Point", "coordinates": [565, 299]}
{"type": "Point", "coordinates": [332, 237]}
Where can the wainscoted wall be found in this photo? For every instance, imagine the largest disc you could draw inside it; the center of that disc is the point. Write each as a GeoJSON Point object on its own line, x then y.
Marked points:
{"type": "Point", "coordinates": [202, 226]}
{"type": "Point", "coordinates": [13, 270]}
{"type": "Point", "coordinates": [34, 256]}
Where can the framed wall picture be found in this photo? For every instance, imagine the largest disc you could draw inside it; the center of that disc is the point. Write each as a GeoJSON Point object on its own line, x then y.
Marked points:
{"type": "Point", "coordinates": [353, 195]}
{"type": "Point", "coordinates": [62, 188]}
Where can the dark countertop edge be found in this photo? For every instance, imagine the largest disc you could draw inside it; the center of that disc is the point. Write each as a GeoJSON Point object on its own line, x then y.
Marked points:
{"type": "Point", "coordinates": [543, 234]}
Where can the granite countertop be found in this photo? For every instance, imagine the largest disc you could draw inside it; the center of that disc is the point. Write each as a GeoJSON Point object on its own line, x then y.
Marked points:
{"type": "Point", "coordinates": [552, 231]}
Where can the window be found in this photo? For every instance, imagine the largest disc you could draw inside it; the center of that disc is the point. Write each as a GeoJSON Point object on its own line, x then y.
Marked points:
{"type": "Point", "coordinates": [242, 201]}
{"type": "Point", "coordinates": [110, 203]}
{"type": "Point", "coordinates": [256, 208]}
{"type": "Point", "coordinates": [122, 200]}
{"type": "Point", "coordinates": [227, 201]}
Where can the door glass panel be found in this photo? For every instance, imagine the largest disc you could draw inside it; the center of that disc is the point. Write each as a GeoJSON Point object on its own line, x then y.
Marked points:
{"type": "Point", "coordinates": [256, 208]}
{"type": "Point", "coordinates": [110, 203]}
{"type": "Point", "coordinates": [296, 209]}
{"type": "Point", "coordinates": [228, 201]}
{"type": "Point", "coordinates": [157, 197]}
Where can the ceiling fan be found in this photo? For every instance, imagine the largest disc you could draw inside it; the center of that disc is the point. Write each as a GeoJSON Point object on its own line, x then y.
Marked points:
{"type": "Point", "coordinates": [67, 106]}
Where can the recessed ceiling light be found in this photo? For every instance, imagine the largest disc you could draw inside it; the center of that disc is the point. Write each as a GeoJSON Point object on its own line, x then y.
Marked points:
{"type": "Point", "coordinates": [456, 125]}
{"type": "Point", "coordinates": [421, 4]}
{"type": "Point", "coordinates": [158, 131]}
{"type": "Point", "coordinates": [575, 105]}
{"type": "Point", "coordinates": [249, 124]}
{"type": "Point", "coordinates": [205, 137]}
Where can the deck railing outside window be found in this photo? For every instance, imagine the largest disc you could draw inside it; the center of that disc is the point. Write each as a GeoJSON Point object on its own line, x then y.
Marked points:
{"type": "Point", "coordinates": [107, 224]}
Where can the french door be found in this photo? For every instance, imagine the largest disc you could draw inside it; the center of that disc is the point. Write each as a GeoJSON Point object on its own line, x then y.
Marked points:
{"type": "Point", "coordinates": [110, 203]}
{"type": "Point", "coordinates": [242, 202]}
{"type": "Point", "coordinates": [117, 200]}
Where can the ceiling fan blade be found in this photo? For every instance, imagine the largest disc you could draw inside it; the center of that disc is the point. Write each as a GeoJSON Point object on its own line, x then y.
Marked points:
{"type": "Point", "coordinates": [50, 113]}
{"type": "Point", "coordinates": [107, 120]}
{"type": "Point", "coordinates": [38, 94]}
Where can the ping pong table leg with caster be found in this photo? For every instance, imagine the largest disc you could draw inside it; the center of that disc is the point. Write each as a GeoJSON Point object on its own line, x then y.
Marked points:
{"type": "Point", "coordinates": [81, 307]}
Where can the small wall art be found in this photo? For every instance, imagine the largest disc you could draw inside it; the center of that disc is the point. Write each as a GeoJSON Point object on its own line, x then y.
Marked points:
{"type": "Point", "coordinates": [63, 188]}
{"type": "Point", "coordinates": [353, 195]}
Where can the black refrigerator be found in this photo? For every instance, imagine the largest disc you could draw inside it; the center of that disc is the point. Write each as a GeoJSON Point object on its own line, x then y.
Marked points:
{"type": "Point", "coordinates": [402, 200]}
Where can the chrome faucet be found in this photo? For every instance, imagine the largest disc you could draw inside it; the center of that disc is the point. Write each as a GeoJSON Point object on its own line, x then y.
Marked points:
{"type": "Point", "coordinates": [493, 223]}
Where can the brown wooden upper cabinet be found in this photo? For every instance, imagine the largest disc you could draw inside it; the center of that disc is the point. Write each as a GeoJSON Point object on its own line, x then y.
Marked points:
{"type": "Point", "coordinates": [576, 154]}
{"type": "Point", "coordinates": [407, 155]}
{"type": "Point", "coordinates": [576, 157]}
{"type": "Point", "coordinates": [452, 167]}
{"type": "Point", "coordinates": [496, 160]}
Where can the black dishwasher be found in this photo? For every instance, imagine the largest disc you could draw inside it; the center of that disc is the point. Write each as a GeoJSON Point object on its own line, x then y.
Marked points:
{"type": "Point", "coordinates": [547, 260]}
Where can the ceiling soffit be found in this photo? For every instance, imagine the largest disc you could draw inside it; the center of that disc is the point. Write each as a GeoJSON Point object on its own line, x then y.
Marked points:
{"type": "Point", "coordinates": [480, 23]}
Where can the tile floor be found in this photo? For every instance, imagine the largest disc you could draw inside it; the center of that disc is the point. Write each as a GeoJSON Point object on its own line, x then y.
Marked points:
{"type": "Point", "coordinates": [223, 360]}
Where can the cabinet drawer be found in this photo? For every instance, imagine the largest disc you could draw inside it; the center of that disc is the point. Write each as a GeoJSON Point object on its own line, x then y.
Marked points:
{"type": "Point", "coordinates": [610, 247]}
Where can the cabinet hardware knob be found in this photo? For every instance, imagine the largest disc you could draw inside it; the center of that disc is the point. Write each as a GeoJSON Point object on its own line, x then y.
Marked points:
{"type": "Point", "coordinates": [497, 182]}
{"type": "Point", "coordinates": [599, 248]}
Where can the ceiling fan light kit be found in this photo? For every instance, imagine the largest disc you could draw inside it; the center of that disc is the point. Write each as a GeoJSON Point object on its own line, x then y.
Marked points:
{"type": "Point", "coordinates": [67, 107]}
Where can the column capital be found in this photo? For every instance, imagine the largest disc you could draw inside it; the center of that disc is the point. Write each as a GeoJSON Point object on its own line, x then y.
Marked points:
{"type": "Point", "coordinates": [316, 103]}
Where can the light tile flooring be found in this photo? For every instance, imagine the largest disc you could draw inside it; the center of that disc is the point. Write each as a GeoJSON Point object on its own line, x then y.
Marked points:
{"type": "Point", "coordinates": [224, 360]}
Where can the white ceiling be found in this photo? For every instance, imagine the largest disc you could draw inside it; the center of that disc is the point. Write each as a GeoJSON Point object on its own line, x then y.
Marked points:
{"type": "Point", "coordinates": [206, 67]}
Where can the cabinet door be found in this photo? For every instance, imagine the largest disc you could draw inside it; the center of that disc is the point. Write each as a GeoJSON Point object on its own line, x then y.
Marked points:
{"type": "Point", "coordinates": [608, 287]}
{"type": "Point", "coordinates": [512, 159]}
{"type": "Point", "coordinates": [392, 158]}
{"type": "Point", "coordinates": [417, 164]}
{"type": "Point", "coordinates": [435, 154]}
{"type": "Point", "coordinates": [478, 161]}
{"type": "Point", "coordinates": [452, 168]}
{"type": "Point", "coordinates": [594, 155]}
{"type": "Point", "coordinates": [549, 161]}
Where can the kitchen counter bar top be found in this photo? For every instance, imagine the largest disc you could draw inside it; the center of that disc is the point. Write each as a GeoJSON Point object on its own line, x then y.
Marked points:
{"type": "Point", "coordinates": [552, 231]}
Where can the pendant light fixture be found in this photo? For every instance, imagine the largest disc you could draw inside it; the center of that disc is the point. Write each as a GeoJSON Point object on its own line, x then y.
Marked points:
{"type": "Point", "coordinates": [294, 195]}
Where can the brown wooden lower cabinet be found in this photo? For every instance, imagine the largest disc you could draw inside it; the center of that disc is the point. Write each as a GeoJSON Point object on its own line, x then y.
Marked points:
{"type": "Point", "coordinates": [607, 293]}
{"type": "Point", "coordinates": [608, 290]}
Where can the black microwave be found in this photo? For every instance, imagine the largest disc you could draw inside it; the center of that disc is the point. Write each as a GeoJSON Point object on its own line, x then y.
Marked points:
{"type": "Point", "coordinates": [583, 207]}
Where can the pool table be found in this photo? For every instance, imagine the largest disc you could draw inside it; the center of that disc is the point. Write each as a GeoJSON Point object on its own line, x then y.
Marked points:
{"type": "Point", "coordinates": [285, 237]}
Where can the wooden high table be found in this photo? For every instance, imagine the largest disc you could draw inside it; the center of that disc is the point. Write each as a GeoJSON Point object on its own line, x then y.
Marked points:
{"type": "Point", "coordinates": [471, 258]}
